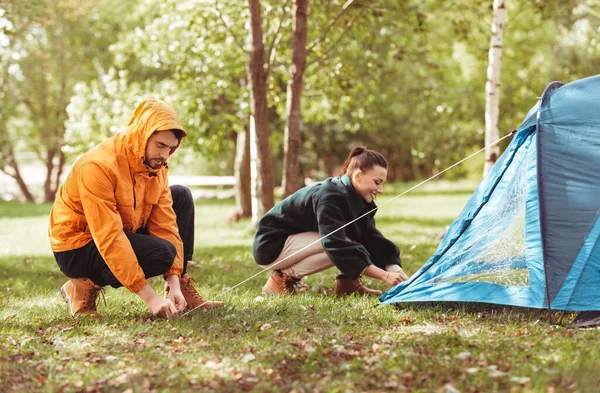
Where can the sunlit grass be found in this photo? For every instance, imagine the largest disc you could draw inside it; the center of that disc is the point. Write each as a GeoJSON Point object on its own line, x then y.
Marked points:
{"type": "Point", "coordinates": [310, 342]}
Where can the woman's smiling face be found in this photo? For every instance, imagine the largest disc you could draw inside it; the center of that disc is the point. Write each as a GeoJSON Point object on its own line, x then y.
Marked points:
{"type": "Point", "coordinates": [369, 183]}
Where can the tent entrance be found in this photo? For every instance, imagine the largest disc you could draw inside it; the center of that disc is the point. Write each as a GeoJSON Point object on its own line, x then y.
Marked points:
{"type": "Point", "coordinates": [493, 248]}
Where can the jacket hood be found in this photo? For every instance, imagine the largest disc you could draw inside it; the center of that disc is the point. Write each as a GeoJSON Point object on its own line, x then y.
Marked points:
{"type": "Point", "coordinates": [150, 116]}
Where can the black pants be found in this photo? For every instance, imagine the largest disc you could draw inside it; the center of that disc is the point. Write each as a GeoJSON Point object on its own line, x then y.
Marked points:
{"type": "Point", "coordinates": [155, 255]}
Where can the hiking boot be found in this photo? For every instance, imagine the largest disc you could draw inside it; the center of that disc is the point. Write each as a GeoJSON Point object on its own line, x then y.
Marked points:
{"type": "Point", "coordinates": [585, 319]}
{"type": "Point", "coordinates": [347, 286]}
{"type": "Point", "coordinates": [81, 294]}
{"type": "Point", "coordinates": [281, 284]}
{"type": "Point", "coordinates": [191, 296]}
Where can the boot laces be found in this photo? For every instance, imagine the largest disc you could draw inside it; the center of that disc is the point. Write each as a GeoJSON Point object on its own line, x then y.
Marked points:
{"type": "Point", "coordinates": [188, 287]}
{"type": "Point", "coordinates": [92, 299]}
{"type": "Point", "coordinates": [290, 282]}
{"type": "Point", "coordinates": [358, 284]}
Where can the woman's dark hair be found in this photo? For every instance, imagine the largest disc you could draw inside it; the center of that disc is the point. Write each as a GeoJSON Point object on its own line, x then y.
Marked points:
{"type": "Point", "coordinates": [364, 159]}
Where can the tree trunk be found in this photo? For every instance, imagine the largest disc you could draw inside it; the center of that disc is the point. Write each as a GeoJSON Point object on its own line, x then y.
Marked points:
{"type": "Point", "coordinates": [492, 87]}
{"type": "Point", "coordinates": [292, 138]}
{"type": "Point", "coordinates": [258, 89]}
{"type": "Point", "coordinates": [18, 178]}
{"type": "Point", "coordinates": [59, 170]}
{"type": "Point", "coordinates": [254, 192]}
{"type": "Point", "coordinates": [243, 201]}
{"type": "Point", "coordinates": [48, 194]}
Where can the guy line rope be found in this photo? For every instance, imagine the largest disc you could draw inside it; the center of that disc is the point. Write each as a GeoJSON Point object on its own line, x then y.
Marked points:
{"type": "Point", "coordinates": [229, 289]}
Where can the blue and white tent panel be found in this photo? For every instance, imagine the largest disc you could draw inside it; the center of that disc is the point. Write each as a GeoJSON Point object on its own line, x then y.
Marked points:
{"type": "Point", "coordinates": [528, 235]}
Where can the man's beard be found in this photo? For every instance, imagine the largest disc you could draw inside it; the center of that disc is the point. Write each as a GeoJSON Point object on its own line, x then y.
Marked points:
{"type": "Point", "coordinates": [152, 163]}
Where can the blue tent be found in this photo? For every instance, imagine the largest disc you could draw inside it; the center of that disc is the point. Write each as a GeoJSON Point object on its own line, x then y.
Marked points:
{"type": "Point", "coordinates": [529, 235]}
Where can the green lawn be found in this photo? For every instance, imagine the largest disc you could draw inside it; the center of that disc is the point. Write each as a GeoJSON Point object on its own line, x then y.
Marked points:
{"type": "Point", "coordinates": [307, 343]}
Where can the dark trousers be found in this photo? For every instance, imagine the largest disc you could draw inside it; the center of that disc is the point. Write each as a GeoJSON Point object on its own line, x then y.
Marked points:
{"type": "Point", "coordinates": [155, 255]}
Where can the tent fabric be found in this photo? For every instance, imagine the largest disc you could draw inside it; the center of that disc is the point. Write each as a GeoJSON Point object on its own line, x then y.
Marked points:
{"type": "Point", "coordinates": [529, 234]}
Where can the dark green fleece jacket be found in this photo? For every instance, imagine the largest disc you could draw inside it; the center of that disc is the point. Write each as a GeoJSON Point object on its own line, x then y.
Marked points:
{"type": "Point", "coordinates": [324, 207]}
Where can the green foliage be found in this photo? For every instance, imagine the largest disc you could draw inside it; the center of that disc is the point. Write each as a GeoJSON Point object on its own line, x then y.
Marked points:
{"type": "Point", "coordinates": [406, 78]}
{"type": "Point", "coordinates": [181, 53]}
{"type": "Point", "coordinates": [46, 47]}
{"type": "Point", "coordinates": [52, 45]}
{"type": "Point", "coordinates": [310, 342]}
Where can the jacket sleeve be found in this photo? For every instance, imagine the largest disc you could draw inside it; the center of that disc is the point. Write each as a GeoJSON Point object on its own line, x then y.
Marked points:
{"type": "Point", "coordinates": [162, 223]}
{"type": "Point", "coordinates": [97, 193]}
{"type": "Point", "coordinates": [383, 252]}
{"type": "Point", "coordinates": [350, 257]}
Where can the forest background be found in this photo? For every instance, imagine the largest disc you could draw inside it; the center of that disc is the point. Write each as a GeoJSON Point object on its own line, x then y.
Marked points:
{"type": "Point", "coordinates": [406, 78]}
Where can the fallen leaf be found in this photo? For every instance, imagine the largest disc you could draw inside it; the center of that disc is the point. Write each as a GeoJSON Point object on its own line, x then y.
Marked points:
{"type": "Point", "coordinates": [450, 389]}
{"type": "Point", "coordinates": [248, 358]}
{"type": "Point", "coordinates": [520, 380]}
{"type": "Point", "coordinates": [463, 355]}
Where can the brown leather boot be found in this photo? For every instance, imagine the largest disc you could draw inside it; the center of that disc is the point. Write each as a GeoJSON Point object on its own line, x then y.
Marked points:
{"type": "Point", "coordinates": [191, 296]}
{"type": "Point", "coordinates": [347, 286]}
{"type": "Point", "coordinates": [81, 294]}
{"type": "Point", "coordinates": [281, 284]}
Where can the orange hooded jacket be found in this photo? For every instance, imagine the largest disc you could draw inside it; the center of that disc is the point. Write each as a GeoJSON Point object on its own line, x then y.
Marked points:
{"type": "Point", "coordinates": [110, 190]}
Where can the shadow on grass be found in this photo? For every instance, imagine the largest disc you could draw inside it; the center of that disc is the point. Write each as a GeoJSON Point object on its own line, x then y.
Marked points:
{"type": "Point", "coordinates": [496, 313]}
{"type": "Point", "coordinates": [22, 276]}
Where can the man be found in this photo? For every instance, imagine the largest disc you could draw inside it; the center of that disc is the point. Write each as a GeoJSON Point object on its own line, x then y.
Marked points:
{"type": "Point", "coordinates": [116, 222]}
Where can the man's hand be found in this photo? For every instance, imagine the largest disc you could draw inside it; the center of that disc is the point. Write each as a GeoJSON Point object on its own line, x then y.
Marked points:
{"type": "Point", "coordinates": [175, 294]}
{"type": "Point", "coordinates": [158, 305]}
{"type": "Point", "coordinates": [162, 307]}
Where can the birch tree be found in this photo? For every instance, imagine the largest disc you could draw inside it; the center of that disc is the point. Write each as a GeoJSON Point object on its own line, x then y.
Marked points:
{"type": "Point", "coordinates": [242, 175]}
{"type": "Point", "coordinates": [492, 86]}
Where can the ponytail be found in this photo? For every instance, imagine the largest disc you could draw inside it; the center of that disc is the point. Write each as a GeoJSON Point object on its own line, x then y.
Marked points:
{"type": "Point", "coordinates": [364, 159]}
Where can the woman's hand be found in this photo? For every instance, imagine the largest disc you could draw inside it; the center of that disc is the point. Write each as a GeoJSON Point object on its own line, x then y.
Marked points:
{"type": "Point", "coordinates": [390, 278]}
{"type": "Point", "coordinates": [395, 278]}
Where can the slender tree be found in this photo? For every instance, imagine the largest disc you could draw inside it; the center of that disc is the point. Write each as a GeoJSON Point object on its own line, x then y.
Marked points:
{"type": "Point", "coordinates": [258, 88]}
{"type": "Point", "coordinates": [242, 176]}
{"type": "Point", "coordinates": [300, 53]}
{"type": "Point", "coordinates": [292, 142]}
{"type": "Point", "coordinates": [492, 86]}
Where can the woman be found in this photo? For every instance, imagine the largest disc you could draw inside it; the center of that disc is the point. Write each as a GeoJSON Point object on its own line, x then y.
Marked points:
{"type": "Point", "coordinates": [319, 210]}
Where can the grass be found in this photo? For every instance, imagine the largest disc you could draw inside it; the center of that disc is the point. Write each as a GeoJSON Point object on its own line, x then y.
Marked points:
{"type": "Point", "coordinates": [307, 343]}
